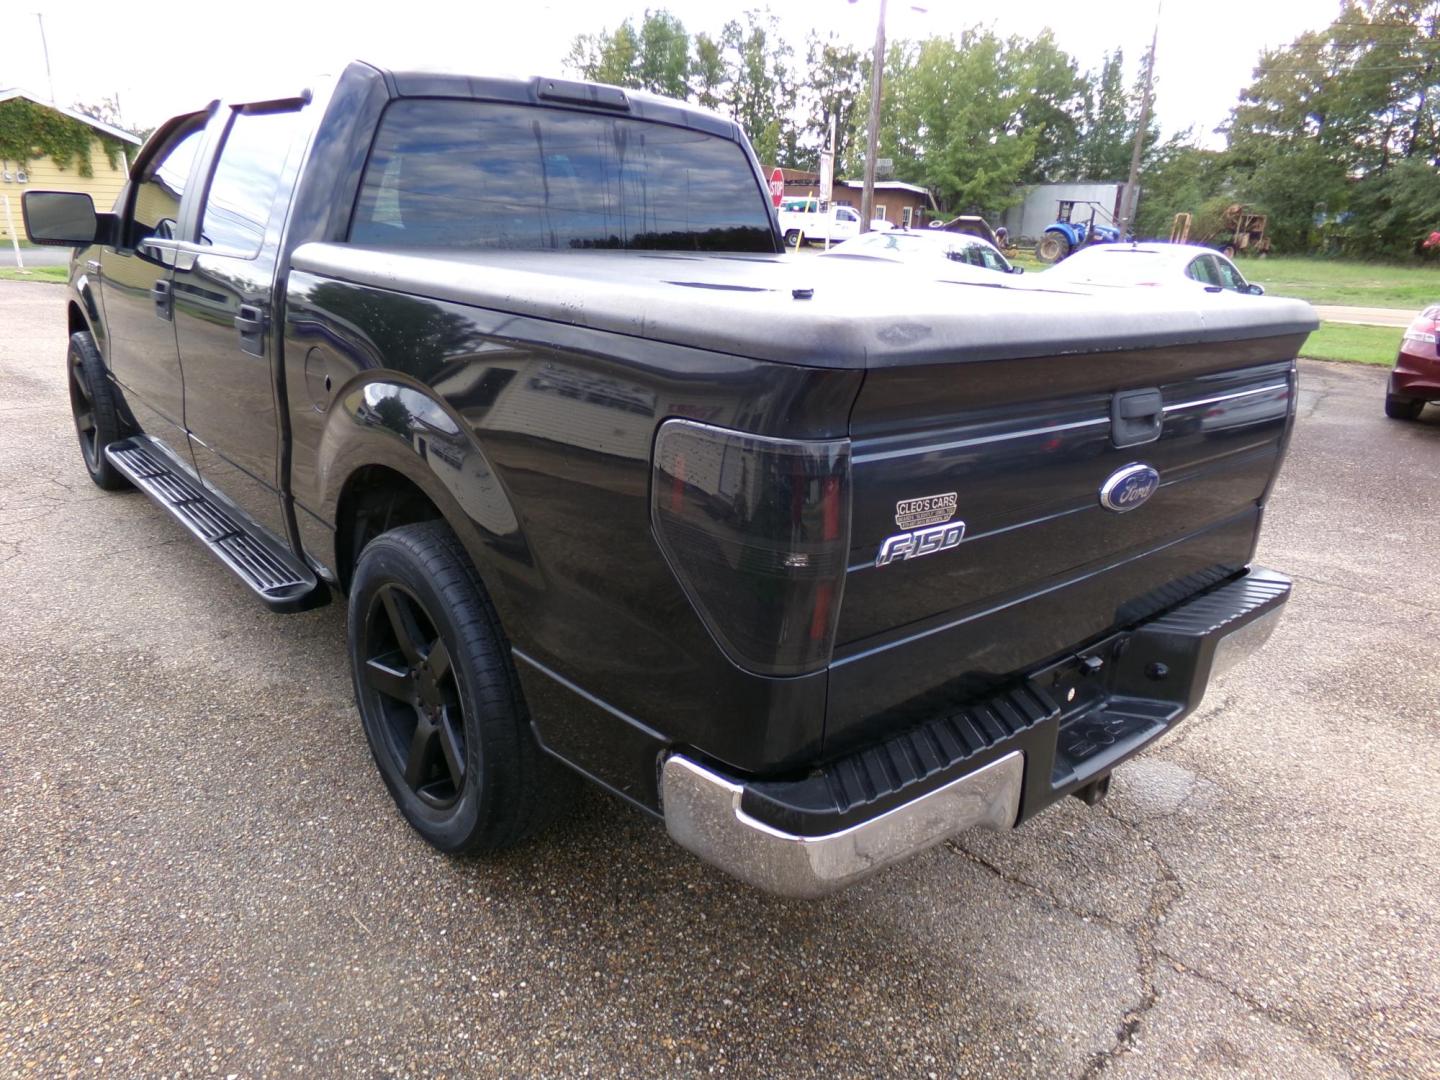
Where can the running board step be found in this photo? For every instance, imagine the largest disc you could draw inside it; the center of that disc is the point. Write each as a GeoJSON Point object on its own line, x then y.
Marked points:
{"type": "Point", "coordinates": [277, 577]}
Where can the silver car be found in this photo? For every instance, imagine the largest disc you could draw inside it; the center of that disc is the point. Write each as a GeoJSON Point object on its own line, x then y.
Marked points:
{"type": "Point", "coordinates": [1157, 264]}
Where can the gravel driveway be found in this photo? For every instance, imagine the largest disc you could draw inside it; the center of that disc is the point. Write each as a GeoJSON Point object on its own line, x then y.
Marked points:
{"type": "Point", "coordinates": [201, 872]}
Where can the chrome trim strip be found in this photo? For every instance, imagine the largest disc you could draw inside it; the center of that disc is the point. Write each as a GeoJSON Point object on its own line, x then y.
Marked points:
{"type": "Point", "coordinates": [1225, 397]}
{"type": "Point", "coordinates": [704, 816]}
{"type": "Point", "coordinates": [960, 444]}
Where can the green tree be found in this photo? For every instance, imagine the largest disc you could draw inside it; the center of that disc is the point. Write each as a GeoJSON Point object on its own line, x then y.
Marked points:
{"type": "Point", "coordinates": [707, 73]}
{"type": "Point", "coordinates": [664, 61]}
{"type": "Point", "coordinates": [608, 57]}
{"type": "Point", "coordinates": [834, 88]}
{"type": "Point", "coordinates": [952, 120]}
{"type": "Point", "coordinates": [1052, 104]}
{"type": "Point", "coordinates": [1329, 117]}
{"type": "Point", "coordinates": [760, 84]}
{"type": "Point", "coordinates": [655, 56]}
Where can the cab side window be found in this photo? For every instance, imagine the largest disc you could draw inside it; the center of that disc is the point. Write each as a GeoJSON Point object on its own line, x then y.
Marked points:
{"type": "Point", "coordinates": [158, 194]}
{"type": "Point", "coordinates": [246, 181]}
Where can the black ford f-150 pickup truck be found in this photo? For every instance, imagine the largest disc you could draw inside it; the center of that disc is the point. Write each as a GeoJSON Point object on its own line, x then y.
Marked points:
{"type": "Point", "coordinates": [818, 565]}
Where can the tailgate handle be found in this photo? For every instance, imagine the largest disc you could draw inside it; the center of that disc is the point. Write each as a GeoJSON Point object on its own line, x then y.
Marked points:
{"type": "Point", "coordinates": [1136, 417]}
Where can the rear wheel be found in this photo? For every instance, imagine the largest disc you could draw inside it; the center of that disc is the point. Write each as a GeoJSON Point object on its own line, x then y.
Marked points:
{"type": "Point", "coordinates": [792, 238]}
{"type": "Point", "coordinates": [92, 405]}
{"type": "Point", "coordinates": [1403, 408]}
{"type": "Point", "coordinates": [438, 695]}
{"type": "Point", "coordinates": [1052, 247]}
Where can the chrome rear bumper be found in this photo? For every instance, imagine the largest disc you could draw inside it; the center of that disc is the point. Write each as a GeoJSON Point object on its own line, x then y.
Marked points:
{"type": "Point", "coordinates": [1065, 729]}
{"type": "Point", "coordinates": [703, 814]}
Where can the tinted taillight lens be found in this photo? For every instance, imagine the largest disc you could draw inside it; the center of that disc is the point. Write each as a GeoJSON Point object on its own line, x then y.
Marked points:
{"type": "Point", "coordinates": [757, 531]}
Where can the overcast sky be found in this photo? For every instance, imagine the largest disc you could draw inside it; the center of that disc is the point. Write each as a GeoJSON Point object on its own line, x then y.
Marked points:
{"type": "Point", "coordinates": [163, 59]}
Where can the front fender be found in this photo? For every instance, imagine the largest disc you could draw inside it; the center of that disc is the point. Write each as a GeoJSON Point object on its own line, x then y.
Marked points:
{"type": "Point", "coordinates": [1072, 235]}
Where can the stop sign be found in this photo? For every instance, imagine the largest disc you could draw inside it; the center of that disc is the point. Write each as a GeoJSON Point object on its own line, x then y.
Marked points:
{"type": "Point", "coordinates": [777, 186]}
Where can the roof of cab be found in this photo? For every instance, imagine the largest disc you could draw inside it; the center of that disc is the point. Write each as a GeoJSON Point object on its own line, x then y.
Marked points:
{"type": "Point", "coordinates": [420, 82]}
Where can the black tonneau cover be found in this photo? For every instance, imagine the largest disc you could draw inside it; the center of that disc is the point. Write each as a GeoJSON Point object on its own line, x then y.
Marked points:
{"type": "Point", "coordinates": [823, 313]}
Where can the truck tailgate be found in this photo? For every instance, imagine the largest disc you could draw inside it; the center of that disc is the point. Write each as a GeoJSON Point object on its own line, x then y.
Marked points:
{"type": "Point", "coordinates": [1024, 446]}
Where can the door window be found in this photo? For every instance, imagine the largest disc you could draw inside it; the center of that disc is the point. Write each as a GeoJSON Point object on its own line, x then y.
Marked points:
{"type": "Point", "coordinates": [158, 194]}
{"type": "Point", "coordinates": [846, 214]}
{"type": "Point", "coordinates": [1230, 277]}
{"type": "Point", "coordinates": [246, 180]}
{"type": "Point", "coordinates": [1203, 270]}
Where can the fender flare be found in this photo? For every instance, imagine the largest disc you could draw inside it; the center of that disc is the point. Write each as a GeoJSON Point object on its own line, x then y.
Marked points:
{"type": "Point", "coordinates": [395, 424]}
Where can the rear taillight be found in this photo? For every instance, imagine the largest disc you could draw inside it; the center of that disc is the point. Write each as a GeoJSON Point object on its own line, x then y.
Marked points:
{"type": "Point", "coordinates": [757, 531]}
{"type": "Point", "coordinates": [1426, 326]}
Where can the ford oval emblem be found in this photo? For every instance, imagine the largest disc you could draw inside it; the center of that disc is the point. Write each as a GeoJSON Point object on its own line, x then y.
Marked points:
{"type": "Point", "coordinates": [1127, 488]}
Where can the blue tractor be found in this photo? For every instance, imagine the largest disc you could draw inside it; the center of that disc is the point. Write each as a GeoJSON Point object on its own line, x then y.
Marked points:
{"type": "Point", "coordinates": [1065, 234]}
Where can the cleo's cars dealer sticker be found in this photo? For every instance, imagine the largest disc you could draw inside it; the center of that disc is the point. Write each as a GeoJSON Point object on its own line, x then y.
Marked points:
{"type": "Point", "coordinates": [926, 510]}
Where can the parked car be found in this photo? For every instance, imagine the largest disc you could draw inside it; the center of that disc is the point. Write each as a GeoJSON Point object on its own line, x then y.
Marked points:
{"type": "Point", "coordinates": [1416, 378]}
{"type": "Point", "coordinates": [1156, 264]}
{"type": "Point", "coordinates": [815, 567]}
{"type": "Point", "coordinates": [935, 250]}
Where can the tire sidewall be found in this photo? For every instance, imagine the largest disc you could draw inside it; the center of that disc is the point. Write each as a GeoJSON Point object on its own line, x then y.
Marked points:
{"type": "Point", "coordinates": [84, 355]}
{"type": "Point", "coordinates": [383, 562]}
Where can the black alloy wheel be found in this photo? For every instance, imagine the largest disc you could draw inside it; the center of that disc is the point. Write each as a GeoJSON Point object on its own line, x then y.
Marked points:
{"type": "Point", "coordinates": [439, 697]}
{"type": "Point", "coordinates": [415, 696]}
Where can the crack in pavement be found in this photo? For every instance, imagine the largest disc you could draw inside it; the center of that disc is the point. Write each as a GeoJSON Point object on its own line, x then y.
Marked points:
{"type": "Point", "coordinates": [1030, 886]}
{"type": "Point", "coordinates": [1164, 894]}
{"type": "Point", "coordinates": [1381, 597]}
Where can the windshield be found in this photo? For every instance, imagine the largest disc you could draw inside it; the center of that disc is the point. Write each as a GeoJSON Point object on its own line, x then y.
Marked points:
{"type": "Point", "coordinates": [481, 175]}
{"type": "Point", "coordinates": [909, 246]}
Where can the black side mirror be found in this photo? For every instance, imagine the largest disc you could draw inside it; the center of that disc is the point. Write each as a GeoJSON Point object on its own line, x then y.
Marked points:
{"type": "Point", "coordinates": [1017, 269]}
{"type": "Point", "coordinates": [64, 219]}
{"type": "Point", "coordinates": [1255, 290]}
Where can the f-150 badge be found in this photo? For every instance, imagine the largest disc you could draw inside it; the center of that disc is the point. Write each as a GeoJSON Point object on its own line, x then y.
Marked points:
{"type": "Point", "coordinates": [930, 528]}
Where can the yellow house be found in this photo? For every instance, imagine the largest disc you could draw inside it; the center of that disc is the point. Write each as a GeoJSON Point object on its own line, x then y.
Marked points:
{"type": "Point", "coordinates": [45, 174]}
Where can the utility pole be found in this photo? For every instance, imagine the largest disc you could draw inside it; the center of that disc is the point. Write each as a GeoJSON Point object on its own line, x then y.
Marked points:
{"type": "Point", "coordinates": [45, 48]}
{"type": "Point", "coordinates": [1127, 213]}
{"type": "Point", "coordinates": [872, 141]}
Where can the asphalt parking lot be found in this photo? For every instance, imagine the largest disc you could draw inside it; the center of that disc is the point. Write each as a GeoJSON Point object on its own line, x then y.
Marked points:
{"type": "Point", "coordinates": [201, 872]}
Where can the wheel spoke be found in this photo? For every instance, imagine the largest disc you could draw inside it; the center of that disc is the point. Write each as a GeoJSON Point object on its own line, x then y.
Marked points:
{"type": "Point", "coordinates": [78, 377]}
{"type": "Point", "coordinates": [439, 657]}
{"type": "Point", "coordinates": [452, 748]}
{"type": "Point", "coordinates": [422, 746]}
{"type": "Point", "coordinates": [389, 681]}
{"type": "Point", "coordinates": [402, 622]}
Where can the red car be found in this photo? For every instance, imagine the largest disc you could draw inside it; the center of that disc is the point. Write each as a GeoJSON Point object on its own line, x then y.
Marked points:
{"type": "Point", "coordinates": [1416, 378]}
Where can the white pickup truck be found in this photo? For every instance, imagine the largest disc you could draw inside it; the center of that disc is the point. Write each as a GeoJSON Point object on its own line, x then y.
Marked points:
{"type": "Point", "coordinates": [802, 217]}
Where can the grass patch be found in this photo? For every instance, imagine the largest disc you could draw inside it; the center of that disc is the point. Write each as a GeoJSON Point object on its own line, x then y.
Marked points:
{"type": "Point", "coordinates": [1324, 281]}
{"type": "Point", "coordinates": [1354, 344]}
{"type": "Point", "coordinates": [59, 274]}
{"type": "Point", "coordinates": [1334, 281]}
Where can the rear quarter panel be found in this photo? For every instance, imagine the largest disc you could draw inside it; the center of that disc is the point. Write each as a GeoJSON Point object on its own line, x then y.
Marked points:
{"type": "Point", "coordinates": [538, 435]}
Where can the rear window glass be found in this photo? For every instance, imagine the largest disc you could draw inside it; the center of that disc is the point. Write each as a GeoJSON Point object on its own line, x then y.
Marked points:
{"type": "Point", "coordinates": [478, 175]}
